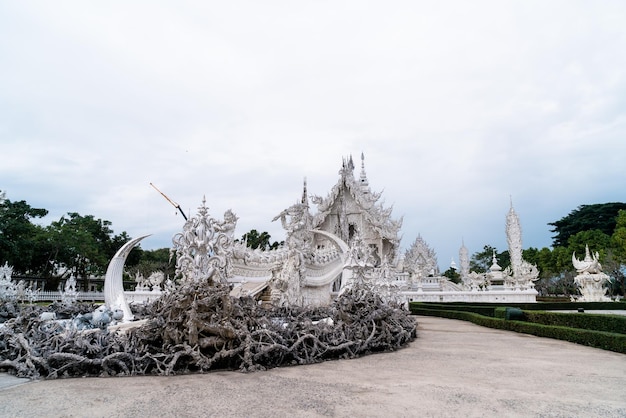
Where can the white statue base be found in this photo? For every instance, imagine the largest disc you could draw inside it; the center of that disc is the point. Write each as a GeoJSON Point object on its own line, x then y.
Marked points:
{"type": "Point", "coordinates": [591, 287]}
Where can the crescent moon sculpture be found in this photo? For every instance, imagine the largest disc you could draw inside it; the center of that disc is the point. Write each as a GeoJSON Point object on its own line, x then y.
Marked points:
{"type": "Point", "coordinates": [340, 243]}
{"type": "Point", "coordinates": [339, 268]}
{"type": "Point", "coordinates": [114, 283]}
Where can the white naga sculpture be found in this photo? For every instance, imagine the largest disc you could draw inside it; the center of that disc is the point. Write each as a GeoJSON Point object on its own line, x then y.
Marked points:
{"type": "Point", "coordinates": [590, 278]}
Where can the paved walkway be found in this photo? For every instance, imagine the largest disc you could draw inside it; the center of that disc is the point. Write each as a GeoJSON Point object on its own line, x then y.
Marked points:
{"type": "Point", "coordinates": [453, 369]}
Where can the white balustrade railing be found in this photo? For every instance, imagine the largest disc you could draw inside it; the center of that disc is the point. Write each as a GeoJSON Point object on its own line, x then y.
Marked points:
{"type": "Point", "coordinates": [51, 296]}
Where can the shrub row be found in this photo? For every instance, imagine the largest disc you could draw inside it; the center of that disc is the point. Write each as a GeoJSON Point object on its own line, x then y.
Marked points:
{"type": "Point", "coordinates": [482, 310]}
{"type": "Point", "coordinates": [608, 323]}
{"type": "Point", "coordinates": [599, 339]}
{"type": "Point", "coordinates": [549, 306]}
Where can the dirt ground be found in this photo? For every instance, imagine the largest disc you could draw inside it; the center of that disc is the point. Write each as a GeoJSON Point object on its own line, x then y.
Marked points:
{"type": "Point", "coordinates": [453, 369]}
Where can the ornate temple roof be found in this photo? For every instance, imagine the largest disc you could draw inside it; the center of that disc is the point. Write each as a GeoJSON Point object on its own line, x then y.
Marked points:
{"type": "Point", "coordinates": [374, 213]}
{"type": "Point", "coordinates": [421, 258]}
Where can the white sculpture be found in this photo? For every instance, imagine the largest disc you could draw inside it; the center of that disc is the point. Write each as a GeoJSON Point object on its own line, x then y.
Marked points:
{"type": "Point", "coordinates": [142, 283]}
{"type": "Point", "coordinates": [384, 285]}
{"type": "Point", "coordinates": [8, 289]}
{"type": "Point", "coordinates": [69, 295]}
{"type": "Point", "coordinates": [156, 280]}
{"type": "Point", "coordinates": [514, 284]}
{"type": "Point", "coordinates": [464, 262]}
{"type": "Point", "coordinates": [204, 249]}
{"type": "Point", "coordinates": [589, 264]}
{"type": "Point", "coordinates": [590, 278]}
{"type": "Point", "coordinates": [495, 276]}
{"type": "Point", "coordinates": [114, 298]}
{"type": "Point", "coordinates": [523, 273]}
{"type": "Point", "coordinates": [476, 281]}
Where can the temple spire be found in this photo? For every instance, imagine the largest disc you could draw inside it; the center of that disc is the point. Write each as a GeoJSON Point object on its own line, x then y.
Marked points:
{"type": "Point", "coordinates": [347, 168]}
{"type": "Point", "coordinates": [363, 179]}
{"type": "Point", "coordinates": [305, 196]}
{"type": "Point", "coordinates": [514, 239]}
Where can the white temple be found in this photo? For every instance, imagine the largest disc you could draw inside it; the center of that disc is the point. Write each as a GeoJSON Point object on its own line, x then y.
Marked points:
{"type": "Point", "coordinates": [312, 266]}
{"type": "Point", "coordinates": [349, 236]}
{"type": "Point", "coordinates": [318, 257]}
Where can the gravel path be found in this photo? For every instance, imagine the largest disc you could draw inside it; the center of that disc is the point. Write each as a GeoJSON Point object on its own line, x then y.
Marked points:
{"type": "Point", "coordinates": [453, 369]}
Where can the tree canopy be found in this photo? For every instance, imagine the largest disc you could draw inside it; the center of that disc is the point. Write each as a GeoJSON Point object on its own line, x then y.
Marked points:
{"type": "Point", "coordinates": [254, 240]}
{"type": "Point", "coordinates": [481, 261]}
{"type": "Point", "coordinates": [75, 244]}
{"type": "Point", "coordinates": [601, 216]}
{"type": "Point", "coordinates": [19, 237]}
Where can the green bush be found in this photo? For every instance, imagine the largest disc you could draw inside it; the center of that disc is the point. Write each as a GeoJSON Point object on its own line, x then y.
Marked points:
{"type": "Point", "coordinates": [499, 312]}
{"type": "Point", "coordinates": [482, 310]}
{"type": "Point", "coordinates": [608, 323]}
{"type": "Point", "coordinates": [550, 306]}
{"type": "Point", "coordinates": [599, 339]}
{"type": "Point", "coordinates": [507, 312]}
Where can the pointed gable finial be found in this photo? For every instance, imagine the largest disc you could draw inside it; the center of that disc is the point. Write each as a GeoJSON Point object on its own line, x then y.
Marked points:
{"type": "Point", "coordinates": [305, 196]}
{"type": "Point", "coordinates": [347, 168]}
{"type": "Point", "coordinates": [363, 179]}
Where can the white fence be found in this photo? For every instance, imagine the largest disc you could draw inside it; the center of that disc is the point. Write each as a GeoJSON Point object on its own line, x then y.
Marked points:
{"type": "Point", "coordinates": [131, 297]}
{"type": "Point", "coordinates": [51, 296]}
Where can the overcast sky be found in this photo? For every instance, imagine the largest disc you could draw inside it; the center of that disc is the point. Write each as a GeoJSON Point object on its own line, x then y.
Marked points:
{"type": "Point", "coordinates": [458, 107]}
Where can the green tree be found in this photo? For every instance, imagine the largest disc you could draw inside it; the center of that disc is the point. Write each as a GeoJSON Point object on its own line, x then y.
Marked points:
{"type": "Point", "coordinates": [594, 238]}
{"type": "Point", "coordinates": [453, 275]}
{"type": "Point", "coordinates": [150, 261]}
{"type": "Point", "coordinates": [614, 267]}
{"type": "Point", "coordinates": [615, 262]}
{"type": "Point", "coordinates": [19, 237]}
{"type": "Point", "coordinates": [254, 240]}
{"type": "Point", "coordinates": [601, 216]}
{"type": "Point", "coordinates": [480, 262]}
{"type": "Point", "coordinates": [83, 245]}
{"type": "Point", "coordinates": [618, 237]}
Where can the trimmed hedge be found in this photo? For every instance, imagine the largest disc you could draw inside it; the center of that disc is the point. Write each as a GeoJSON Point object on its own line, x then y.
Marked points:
{"type": "Point", "coordinates": [507, 312]}
{"type": "Point", "coordinates": [598, 339]}
{"type": "Point", "coordinates": [482, 310]}
{"type": "Point", "coordinates": [597, 322]}
{"type": "Point", "coordinates": [538, 306]}
{"type": "Point", "coordinates": [488, 309]}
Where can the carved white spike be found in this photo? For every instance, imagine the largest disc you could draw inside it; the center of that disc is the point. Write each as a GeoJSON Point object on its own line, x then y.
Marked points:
{"type": "Point", "coordinates": [114, 283]}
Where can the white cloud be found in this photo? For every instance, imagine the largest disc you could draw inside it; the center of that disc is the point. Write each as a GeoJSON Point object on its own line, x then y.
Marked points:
{"type": "Point", "coordinates": [458, 106]}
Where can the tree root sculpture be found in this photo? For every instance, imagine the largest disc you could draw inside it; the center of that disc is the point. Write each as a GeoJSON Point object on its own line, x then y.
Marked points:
{"type": "Point", "coordinates": [200, 328]}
